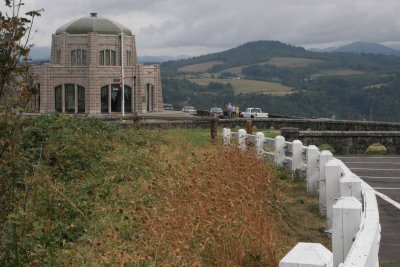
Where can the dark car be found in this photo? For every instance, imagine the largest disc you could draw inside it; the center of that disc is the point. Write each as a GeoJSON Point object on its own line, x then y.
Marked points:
{"type": "Point", "coordinates": [217, 112]}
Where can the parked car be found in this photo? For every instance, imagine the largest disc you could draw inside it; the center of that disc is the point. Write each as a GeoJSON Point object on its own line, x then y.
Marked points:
{"type": "Point", "coordinates": [253, 113]}
{"type": "Point", "coordinates": [189, 109]}
{"type": "Point", "coordinates": [168, 106]}
{"type": "Point", "coordinates": [217, 112]}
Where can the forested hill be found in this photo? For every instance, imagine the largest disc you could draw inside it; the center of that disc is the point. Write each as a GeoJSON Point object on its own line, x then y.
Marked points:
{"type": "Point", "coordinates": [249, 53]}
{"type": "Point", "coordinates": [262, 51]}
{"type": "Point", "coordinates": [282, 78]}
{"type": "Point", "coordinates": [364, 47]}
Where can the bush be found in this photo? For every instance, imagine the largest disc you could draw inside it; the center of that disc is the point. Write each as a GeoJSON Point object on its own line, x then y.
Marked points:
{"type": "Point", "coordinates": [64, 167]}
{"type": "Point", "coordinates": [376, 149]}
{"type": "Point", "coordinates": [327, 147]}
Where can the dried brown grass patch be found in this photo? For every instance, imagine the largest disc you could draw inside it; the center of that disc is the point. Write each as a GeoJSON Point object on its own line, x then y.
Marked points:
{"type": "Point", "coordinates": [216, 212]}
{"type": "Point", "coordinates": [198, 206]}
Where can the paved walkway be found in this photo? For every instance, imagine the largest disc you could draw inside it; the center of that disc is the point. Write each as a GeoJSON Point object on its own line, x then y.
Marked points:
{"type": "Point", "coordinates": [383, 174]}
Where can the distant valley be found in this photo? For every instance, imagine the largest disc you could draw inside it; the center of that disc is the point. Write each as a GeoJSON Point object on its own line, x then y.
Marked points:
{"type": "Point", "coordinates": [286, 79]}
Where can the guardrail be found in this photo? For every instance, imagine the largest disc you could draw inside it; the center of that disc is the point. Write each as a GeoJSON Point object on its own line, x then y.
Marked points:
{"type": "Point", "coordinates": [348, 202]}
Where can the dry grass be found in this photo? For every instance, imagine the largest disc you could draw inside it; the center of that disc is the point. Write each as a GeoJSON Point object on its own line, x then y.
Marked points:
{"type": "Point", "coordinates": [292, 62]}
{"type": "Point", "coordinates": [337, 72]}
{"type": "Point", "coordinates": [199, 206]}
{"type": "Point", "coordinates": [201, 67]}
{"type": "Point", "coordinates": [217, 215]}
{"type": "Point", "coordinates": [249, 86]}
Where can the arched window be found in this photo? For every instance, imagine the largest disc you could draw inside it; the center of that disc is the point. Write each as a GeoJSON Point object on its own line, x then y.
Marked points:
{"type": "Point", "coordinates": [149, 97]}
{"type": "Point", "coordinates": [81, 99]}
{"type": "Point", "coordinates": [78, 57]}
{"type": "Point", "coordinates": [69, 98]}
{"type": "Point", "coordinates": [35, 97]}
{"type": "Point", "coordinates": [104, 99]}
{"type": "Point", "coordinates": [58, 98]}
{"type": "Point", "coordinates": [111, 98]}
{"type": "Point", "coordinates": [107, 57]}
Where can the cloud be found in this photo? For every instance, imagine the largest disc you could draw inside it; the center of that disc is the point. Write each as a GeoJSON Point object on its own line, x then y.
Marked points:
{"type": "Point", "coordinates": [200, 25]}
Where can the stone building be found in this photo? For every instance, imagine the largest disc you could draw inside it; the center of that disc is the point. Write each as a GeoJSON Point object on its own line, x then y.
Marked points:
{"type": "Point", "coordinates": [88, 57]}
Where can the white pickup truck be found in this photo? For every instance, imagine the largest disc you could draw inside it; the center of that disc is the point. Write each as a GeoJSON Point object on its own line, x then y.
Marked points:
{"type": "Point", "coordinates": [253, 113]}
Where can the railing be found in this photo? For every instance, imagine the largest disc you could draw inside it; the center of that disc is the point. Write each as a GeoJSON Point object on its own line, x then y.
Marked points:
{"type": "Point", "coordinates": [348, 202]}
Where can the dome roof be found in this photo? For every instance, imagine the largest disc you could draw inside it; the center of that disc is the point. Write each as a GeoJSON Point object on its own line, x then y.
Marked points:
{"type": "Point", "coordinates": [93, 24]}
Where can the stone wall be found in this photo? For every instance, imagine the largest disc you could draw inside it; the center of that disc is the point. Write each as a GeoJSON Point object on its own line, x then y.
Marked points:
{"type": "Point", "coordinates": [314, 125]}
{"type": "Point", "coordinates": [355, 142]}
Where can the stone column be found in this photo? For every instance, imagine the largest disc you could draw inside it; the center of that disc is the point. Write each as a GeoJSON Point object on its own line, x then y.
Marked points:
{"type": "Point", "coordinates": [63, 98]}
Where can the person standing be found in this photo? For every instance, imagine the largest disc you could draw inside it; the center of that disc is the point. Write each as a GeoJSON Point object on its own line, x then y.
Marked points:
{"type": "Point", "coordinates": [225, 110]}
{"type": "Point", "coordinates": [237, 111]}
{"type": "Point", "coordinates": [230, 109]}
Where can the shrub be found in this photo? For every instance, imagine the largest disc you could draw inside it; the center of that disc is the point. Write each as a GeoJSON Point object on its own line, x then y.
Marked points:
{"type": "Point", "coordinates": [376, 149]}
{"type": "Point", "coordinates": [327, 147]}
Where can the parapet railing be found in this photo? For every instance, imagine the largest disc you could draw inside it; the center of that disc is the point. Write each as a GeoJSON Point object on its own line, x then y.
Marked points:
{"type": "Point", "coordinates": [348, 202]}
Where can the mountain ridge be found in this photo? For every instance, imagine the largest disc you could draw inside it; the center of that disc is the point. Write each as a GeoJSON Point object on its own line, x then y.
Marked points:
{"type": "Point", "coordinates": [368, 48]}
{"type": "Point", "coordinates": [361, 47]}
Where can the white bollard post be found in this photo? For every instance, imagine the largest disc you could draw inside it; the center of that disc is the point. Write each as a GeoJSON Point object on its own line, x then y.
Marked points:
{"type": "Point", "coordinates": [227, 136]}
{"type": "Point", "coordinates": [308, 254]}
{"type": "Point", "coordinates": [350, 186]}
{"type": "Point", "coordinates": [260, 144]}
{"type": "Point", "coordinates": [324, 157]}
{"type": "Point", "coordinates": [346, 222]}
{"type": "Point", "coordinates": [312, 169]}
{"type": "Point", "coordinates": [332, 176]}
{"type": "Point", "coordinates": [242, 139]}
{"type": "Point", "coordinates": [297, 158]}
{"type": "Point", "coordinates": [279, 150]}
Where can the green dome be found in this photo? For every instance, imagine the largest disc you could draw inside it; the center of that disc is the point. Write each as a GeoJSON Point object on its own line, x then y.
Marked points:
{"type": "Point", "coordinates": [93, 24]}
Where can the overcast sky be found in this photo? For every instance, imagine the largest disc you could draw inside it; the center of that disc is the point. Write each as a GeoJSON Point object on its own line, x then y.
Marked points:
{"type": "Point", "coordinates": [195, 27]}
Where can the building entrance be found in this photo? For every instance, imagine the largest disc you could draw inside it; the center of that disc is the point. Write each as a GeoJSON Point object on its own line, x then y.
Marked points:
{"type": "Point", "coordinates": [116, 98]}
{"type": "Point", "coordinates": [111, 97]}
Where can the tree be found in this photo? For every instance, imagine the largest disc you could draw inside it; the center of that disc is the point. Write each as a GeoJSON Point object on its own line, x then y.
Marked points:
{"type": "Point", "coordinates": [15, 37]}
{"type": "Point", "coordinates": [16, 87]}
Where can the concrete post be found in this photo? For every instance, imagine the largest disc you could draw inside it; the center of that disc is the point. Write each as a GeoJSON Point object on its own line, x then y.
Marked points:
{"type": "Point", "coordinates": [297, 158]}
{"type": "Point", "coordinates": [308, 255]}
{"type": "Point", "coordinates": [279, 150]}
{"type": "Point", "coordinates": [346, 223]}
{"type": "Point", "coordinates": [332, 176]}
{"type": "Point", "coordinates": [227, 136]}
{"type": "Point", "coordinates": [249, 126]}
{"type": "Point", "coordinates": [242, 139]}
{"type": "Point", "coordinates": [350, 186]}
{"type": "Point", "coordinates": [312, 169]}
{"type": "Point", "coordinates": [260, 144]}
{"type": "Point", "coordinates": [324, 157]}
{"type": "Point", "coordinates": [214, 126]}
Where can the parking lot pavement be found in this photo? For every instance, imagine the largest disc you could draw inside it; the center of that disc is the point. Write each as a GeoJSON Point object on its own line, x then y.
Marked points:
{"type": "Point", "coordinates": [383, 174]}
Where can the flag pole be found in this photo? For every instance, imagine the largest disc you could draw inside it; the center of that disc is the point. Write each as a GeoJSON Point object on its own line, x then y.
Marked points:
{"type": "Point", "coordinates": [122, 76]}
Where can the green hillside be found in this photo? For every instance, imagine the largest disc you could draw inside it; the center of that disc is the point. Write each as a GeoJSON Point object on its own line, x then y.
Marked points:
{"type": "Point", "coordinates": [320, 83]}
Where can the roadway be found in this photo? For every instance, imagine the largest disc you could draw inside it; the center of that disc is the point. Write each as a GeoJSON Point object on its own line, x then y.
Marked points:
{"type": "Point", "coordinates": [383, 174]}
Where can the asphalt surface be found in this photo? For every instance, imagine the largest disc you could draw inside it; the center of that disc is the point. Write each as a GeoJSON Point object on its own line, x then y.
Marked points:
{"type": "Point", "coordinates": [383, 174]}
